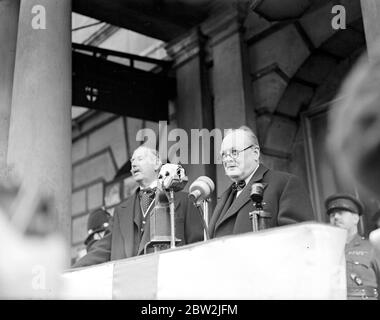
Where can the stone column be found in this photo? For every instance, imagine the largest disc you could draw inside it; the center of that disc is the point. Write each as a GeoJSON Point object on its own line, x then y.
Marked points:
{"type": "Point", "coordinates": [371, 21]}
{"type": "Point", "coordinates": [194, 104]}
{"type": "Point", "coordinates": [9, 10]}
{"type": "Point", "coordinates": [39, 147]}
{"type": "Point", "coordinates": [233, 102]}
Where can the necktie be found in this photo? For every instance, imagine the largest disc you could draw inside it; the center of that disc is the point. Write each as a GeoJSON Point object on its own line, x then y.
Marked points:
{"type": "Point", "coordinates": [238, 185]}
{"type": "Point", "coordinates": [146, 197]}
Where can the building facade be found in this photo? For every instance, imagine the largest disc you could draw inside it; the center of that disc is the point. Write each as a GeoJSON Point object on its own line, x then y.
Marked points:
{"type": "Point", "coordinates": [235, 66]}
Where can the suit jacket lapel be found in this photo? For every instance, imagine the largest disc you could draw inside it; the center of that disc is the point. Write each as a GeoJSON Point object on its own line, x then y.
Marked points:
{"type": "Point", "coordinates": [218, 210]}
{"type": "Point", "coordinates": [128, 225]}
{"type": "Point", "coordinates": [244, 197]}
{"type": "Point", "coordinates": [136, 207]}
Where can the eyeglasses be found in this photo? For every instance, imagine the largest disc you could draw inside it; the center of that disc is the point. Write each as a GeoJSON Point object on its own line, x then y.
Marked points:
{"type": "Point", "coordinates": [234, 153]}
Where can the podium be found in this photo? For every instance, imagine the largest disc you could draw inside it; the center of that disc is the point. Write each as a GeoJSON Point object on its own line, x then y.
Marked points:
{"type": "Point", "coordinates": [302, 261]}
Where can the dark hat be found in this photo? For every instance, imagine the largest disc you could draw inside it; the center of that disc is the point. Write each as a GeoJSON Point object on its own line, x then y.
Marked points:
{"type": "Point", "coordinates": [98, 220]}
{"type": "Point", "coordinates": [343, 201]}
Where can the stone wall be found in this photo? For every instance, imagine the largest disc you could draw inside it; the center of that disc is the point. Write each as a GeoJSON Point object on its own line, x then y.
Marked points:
{"type": "Point", "coordinates": [265, 75]}
{"type": "Point", "coordinates": [296, 66]}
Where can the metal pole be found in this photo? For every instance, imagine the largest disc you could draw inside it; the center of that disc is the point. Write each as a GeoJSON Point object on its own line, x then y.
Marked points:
{"type": "Point", "coordinates": [205, 217]}
{"type": "Point", "coordinates": [172, 220]}
{"type": "Point", "coordinates": [253, 216]}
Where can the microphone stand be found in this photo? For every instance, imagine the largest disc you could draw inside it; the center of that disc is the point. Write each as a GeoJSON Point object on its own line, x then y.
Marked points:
{"type": "Point", "coordinates": [259, 217]}
{"type": "Point", "coordinates": [253, 215]}
{"type": "Point", "coordinates": [172, 218]}
{"type": "Point", "coordinates": [205, 218]}
{"type": "Point", "coordinates": [203, 214]}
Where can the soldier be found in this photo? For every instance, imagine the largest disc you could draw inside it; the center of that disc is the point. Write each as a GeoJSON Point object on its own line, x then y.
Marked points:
{"type": "Point", "coordinates": [362, 260]}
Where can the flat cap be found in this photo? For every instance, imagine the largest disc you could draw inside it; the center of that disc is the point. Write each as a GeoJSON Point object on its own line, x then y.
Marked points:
{"type": "Point", "coordinates": [343, 201]}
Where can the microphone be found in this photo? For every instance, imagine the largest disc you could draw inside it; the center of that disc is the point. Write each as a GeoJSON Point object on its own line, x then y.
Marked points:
{"type": "Point", "coordinates": [201, 189]}
{"type": "Point", "coordinates": [257, 191]}
{"type": "Point", "coordinates": [160, 224]}
{"type": "Point", "coordinates": [172, 177]}
{"type": "Point", "coordinates": [259, 217]}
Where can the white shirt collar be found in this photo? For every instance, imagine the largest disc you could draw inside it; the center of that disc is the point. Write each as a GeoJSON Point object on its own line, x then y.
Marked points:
{"type": "Point", "coordinates": [152, 185]}
{"type": "Point", "coordinates": [247, 180]}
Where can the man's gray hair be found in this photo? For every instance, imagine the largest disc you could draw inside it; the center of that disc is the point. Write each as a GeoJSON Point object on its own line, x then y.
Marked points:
{"type": "Point", "coordinates": [248, 132]}
{"type": "Point", "coordinates": [153, 151]}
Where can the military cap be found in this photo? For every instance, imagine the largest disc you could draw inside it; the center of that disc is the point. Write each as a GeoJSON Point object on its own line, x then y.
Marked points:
{"type": "Point", "coordinates": [97, 221]}
{"type": "Point", "coordinates": [343, 201]}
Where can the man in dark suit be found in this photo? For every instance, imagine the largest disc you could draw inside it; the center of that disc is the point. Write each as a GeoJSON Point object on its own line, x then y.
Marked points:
{"type": "Point", "coordinates": [285, 198]}
{"type": "Point", "coordinates": [129, 230]}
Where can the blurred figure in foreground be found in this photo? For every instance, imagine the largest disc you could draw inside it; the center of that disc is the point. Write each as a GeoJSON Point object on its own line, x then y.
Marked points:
{"type": "Point", "coordinates": [362, 260]}
{"type": "Point", "coordinates": [33, 255]}
{"type": "Point", "coordinates": [354, 125]}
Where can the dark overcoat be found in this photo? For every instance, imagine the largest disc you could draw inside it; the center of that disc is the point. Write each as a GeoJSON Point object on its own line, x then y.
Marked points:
{"type": "Point", "coordinates": [285, 197]}
{"type": "Point", "coordinates": [120, 239]}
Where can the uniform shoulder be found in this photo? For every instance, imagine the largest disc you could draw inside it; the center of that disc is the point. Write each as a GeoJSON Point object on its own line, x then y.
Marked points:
{"type": "Point", "coordinates": [363, 242]}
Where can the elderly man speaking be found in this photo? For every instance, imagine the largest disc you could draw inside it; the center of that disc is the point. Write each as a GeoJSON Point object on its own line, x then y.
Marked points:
{"type": "Point", "coordinates": [286, 200]}
{"type": "Point", "coordinates": [129, 231]}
